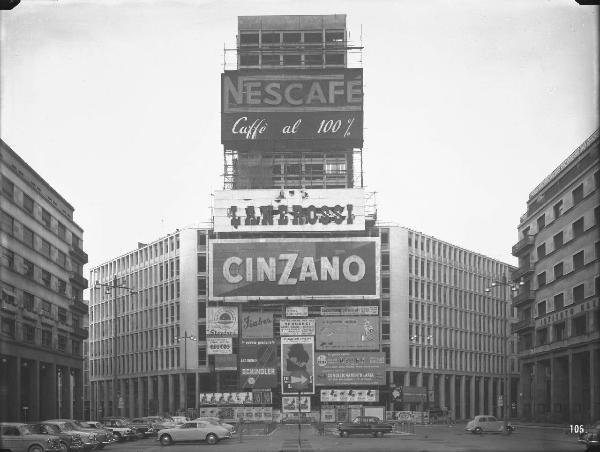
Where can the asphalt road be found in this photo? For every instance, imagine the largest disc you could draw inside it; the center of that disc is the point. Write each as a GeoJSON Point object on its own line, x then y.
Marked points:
{"type": "Point", "coordinates": [425, 439]}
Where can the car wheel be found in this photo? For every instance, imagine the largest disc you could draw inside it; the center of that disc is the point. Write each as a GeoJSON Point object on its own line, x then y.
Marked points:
{"type": "Point", "coordinates": [64, 446]}
{"type": "Point", "coordinates": [344, 434]}
{"type": "Point", "coordinates": [478, 431]}
{"type": "Point", "coordinates": [380, 434]}
{"type": "Point", "coordinates": [166, 440]}
{"type": "Point", "coordinates": [117, 436]}
{"type": "Point", "coordinates": [35, 448]}
{"type": "Point", "coordinates": [211, 439]}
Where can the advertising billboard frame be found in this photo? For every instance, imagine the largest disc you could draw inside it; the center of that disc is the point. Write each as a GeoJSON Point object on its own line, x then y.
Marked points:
{"type": "Point", "coordinates": [288, 350]}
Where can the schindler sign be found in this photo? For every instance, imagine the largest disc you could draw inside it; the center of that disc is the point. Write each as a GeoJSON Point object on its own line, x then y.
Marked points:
{"type": "Point", "coordinates": [289, 210]}
{"type": "Point", "coordinates": [295, 104]}
{"type": "Point", "coordinates": [297, 269]}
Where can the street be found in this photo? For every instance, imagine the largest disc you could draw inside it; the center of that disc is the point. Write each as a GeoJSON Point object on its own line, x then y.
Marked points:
{"type": "Point", "coordinates": [425, 439]}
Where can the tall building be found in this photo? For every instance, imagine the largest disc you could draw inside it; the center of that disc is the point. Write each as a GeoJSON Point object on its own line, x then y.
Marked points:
{"type": "Point", "coordinates": [296, 290]}
{"type": "Point", "coordinates": [41, 310]}
{"type": "Point", "coordinates": [558, 307]}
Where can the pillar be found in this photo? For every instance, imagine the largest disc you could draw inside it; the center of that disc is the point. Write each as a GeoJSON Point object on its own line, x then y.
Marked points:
{"type": "Point", "coordinates": [482, 395]}
{"type": "Point", "coordinates": [452, 406]}
{"type": "Point", "coordinates": [472, 397]}
{"type": "Point", "coordinates": [152, 406]}
{"type": "Point", "coordinates": [197, 391]}
{"type": "Point", "coordinates": [593, 395]}
{"type": "Point", "coordinates": [48, 388]}
{"type": "Point", "coordinates": [78, 407]}
{"type": "Point", "coordinates": [121, 398]}
{"type": "Point", "coordinates": [442, 390]}
{"type": "Point", "coordinates": [131, 398]}
{"type": "Point", "coordinates": [182, 383]}
{"type": "Point", "coordinates": [490, 395]}
{"type": "Point", "coordinates": [67, 399]}
{"type": "Point", "coordinates": [161, 395]}
{"type": "Point", "coordinates": [462, 397]}
{"type": "Point", "coordinates": [140, 397]}
{"type": "Point", "coordinates": [172, 401]}
{"type": "Point", "coordinates": [105, 392]}
{"type": "Point", "coordinates": [33, 415]}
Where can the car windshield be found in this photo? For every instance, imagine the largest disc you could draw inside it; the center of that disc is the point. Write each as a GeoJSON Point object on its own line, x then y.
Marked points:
{"type": "Point", "coordinates": [67, 426]}
{"type": "Point", "coordinates": [27, 429]}
{"type": "Point", "coordinates": [80, 424]}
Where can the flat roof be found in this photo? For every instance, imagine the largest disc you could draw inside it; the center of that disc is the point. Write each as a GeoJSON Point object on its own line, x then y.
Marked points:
{"type": "Point", "coordinates": [292, 22]}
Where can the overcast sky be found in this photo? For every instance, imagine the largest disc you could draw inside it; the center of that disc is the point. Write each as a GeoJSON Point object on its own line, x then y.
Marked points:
{"type": "Point", "coordinates": [468, 106]}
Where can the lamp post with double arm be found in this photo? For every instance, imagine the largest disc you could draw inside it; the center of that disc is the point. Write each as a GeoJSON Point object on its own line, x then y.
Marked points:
{"type": "Point", "coordinates": [425, 340]}
{"type": "Point", "coordinates": [514, 287]}
{"type": "Point", "coordinates": [185, 338]}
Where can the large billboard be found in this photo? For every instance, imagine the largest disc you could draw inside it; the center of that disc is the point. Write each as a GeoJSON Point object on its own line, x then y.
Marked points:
{"type": "Point", "coordinates": [272, 105]}
{"type": "Point", "coordinates": [341, 209]}
{"type": "Point", "coordinates": [295, 269]}
{"type": "Point", "coordinates": [350, 368]}
{"type": "Point", "coordinates": [297, 365]}
{"type": "Point", "coordinates": [347, 333]}
{"type": "Point", "coordinates": [258, 364]}
{"type": "Point", "coordinates": [257, 324]}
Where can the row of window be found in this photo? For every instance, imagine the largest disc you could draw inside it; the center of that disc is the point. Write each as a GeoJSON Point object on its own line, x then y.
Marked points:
{"type": "Point", "coordinates": [457, 360]}
{"type": "Point", "coordinates": [44, 336]}
{"type": "Point", "coordinates": [577, 262]}
{"type": "Point", "coordinates": [558, 300]}
{"type": "Point", "coordinates": [137, 362]}
{"type": "Point", "coordinates": [28, 204]}
{"type": "Point", "coordinates": [260, 37]}
{"type": "Point", "coordinates": [490, 341]}
{"type": "Point", "coordinates": [294, 59]}
{"type": "Point", "coordinates": [560, 331]}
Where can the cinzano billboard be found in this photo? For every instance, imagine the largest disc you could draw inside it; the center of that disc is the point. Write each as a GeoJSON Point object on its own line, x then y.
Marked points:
{"type": "Point", "coordinates": [295, 269]}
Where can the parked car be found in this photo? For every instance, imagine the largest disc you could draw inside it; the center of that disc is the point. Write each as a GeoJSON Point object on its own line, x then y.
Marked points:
{"type": "Point", "coordinates": [179, 419]}
{"type": "Point", "coordinates": [370, 425]}
{"type": "Point", "coordinates": [143, 426]}
{"type": "Point", "coordinates": [218, 421]}
{"type": "Point", "coordinates": [486, 423]}
{"type": "Point", "coordinates": [591, 438]}
{"type": "Point", "coordinates": [18, 437]}
{"type": "Point", "coordinates": [70, 437]}
{"type": "Point", "coordinates": [193, 431]}
{"type": "Point", "coordinates": [120, 428]}
{"type": "Point", "coordinates": [103, 436]}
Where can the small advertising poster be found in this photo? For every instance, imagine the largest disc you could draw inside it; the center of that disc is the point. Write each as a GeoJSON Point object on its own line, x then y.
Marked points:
{"type": "Point", "coordinates": [219, 346]}
{"type": "Point", "coordinates": [295, 404]}
{"type": "Point", "coordinates": [258, 364]}
{"type": "Point", "coordinates": [328, 414]}
{"type": "Point", "coordinates": [347, 333]}
{"type": "Point", "coordinates": [349, 310]}
{"type": "Point", "coordinates": [222, 321]}
{"type": "Point", "coordinates": [297, 365]}
{"type": "Point", "coordinates": [349, 395]}
{"type": "Point", "coordinates": [296, 311]}
{"type": "Point", "coordinates": [297, 327]}
{"type": "Point", "coordinates": [261, 397]}
{"type": "Point", "coordinates": [257, 324]}
{"type": "Point", "coordinates": [226, 362]}
{"type": "Point", "coordinates": [350, 368]}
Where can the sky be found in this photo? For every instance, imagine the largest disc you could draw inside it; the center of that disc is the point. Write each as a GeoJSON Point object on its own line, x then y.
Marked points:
{"type": "Point", "coordinates": [469, 104]}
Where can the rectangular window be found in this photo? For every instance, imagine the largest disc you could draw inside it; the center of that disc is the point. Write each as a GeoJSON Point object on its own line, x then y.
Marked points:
{"type": "Point", "coordinates": [385, 285]}
{"type": "Point", "coordinates": [62, 343]}
{"type": "Point", "coordinates": [578, 260]}
{"type": "Point", "coordinates": [313, 37]}
{"type": "Point", "coordinates": [577, 194]}
{"type": "Point", "coordinates": [541, 307]}
{"type": "Point", "coordinates": [8, 188]}
{"type": "Point", "coordinates": [248, 38]}
{"type": "Point", "coordinates": [578, 293]}
{"type": "Point", "coordinates": [313, 59]}
{"type": "Point", "coordinates": [46, 308]}
{"type": "Point", "coordinates": [578, 228]}
{"type": "Point", "coordinates": [559, 331]}
{"type": "Point", "coordinates": [62, 231]}
{"type": "Point", "coordinates": [76, 347]}
{"type": "Point", "coordinates": [292, 37]}
{"type": "Point", "coordinates": [61, 286]}
{"type": "Point", "coordinates": [46, 218]}
{"type": "Point", "coordinates": [7, 223]}
{"type": "Point", "coordinates": [202, 356]}
{"type": "Point", "coordinates": [62, 315]}
{"type": "Point", "coordinates": [557, 209]}
{"type": "Point", "coordinates": [579, 325]}
{"type": "Point", "coordinates": [385, 261]}
{"type": "Point", "coordinates": [558, 240]}
{"type": "Point", "coordinates": [47, 338]}
{"type": "Point", "coordinates": [201, 286]}
{"type": "Point", "coordinates": [292, 60]}
{"type": "Point", "coordinates": [8, 294]}
{"type": "Point", "coordinates": [28, 268]}
{"type": "Point", "coordinates": [334, 36]}
{"type": "Point", "coordinates": [558, 270]}
{"type": "Point", "coordinates": [270, 59]}
{"type": "Point", "coordinates": [249, 59]}
{"type": "Point", "coordinates": [62, 259]}
{"type": "Point", "coordinates": [541, 279]}
{"type": "Point", "coordinates": [8, 257]}
{"type": "Point", "coordinates": [334, 58]}
{"type": "Point", "coordinates": [271, 38]}
{"type": "Point", "coordinates": [28, 301]}
{"type": "Point", "coordinates": [28, 203]}
{"type": "Point", "coordinates": [559, 301]}
{"type": "Point", "coordinates": [542, 336]}
{"type": "Point", "coordinates": [8, 328]}
{"type": "Point", "coordinates": [28, 333]}
{"type": "Point", "coordinates": [541, 251]}
{"type": "Point", "coordinates": [46, 248]}
{"type": "Point", "coordinates": [28, 236]}
{"type": "Point", "coordinates": [541, 222]}
{"type": "Point", "coordinates": [46, 278]}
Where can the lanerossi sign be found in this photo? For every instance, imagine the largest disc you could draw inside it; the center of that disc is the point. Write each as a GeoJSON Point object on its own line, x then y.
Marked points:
{"type": "Point", "coordinates": [295, 104]}
{"type": "Point", "coordinates": [268, 269]}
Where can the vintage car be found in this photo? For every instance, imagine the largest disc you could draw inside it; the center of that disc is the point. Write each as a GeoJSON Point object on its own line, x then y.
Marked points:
{"type": "Point", "coordinates": [366, 425]}
{"type": "Point", "coordinates": [18, 437]}
{"type": "Point", "coordinates": [193, 431]}
{"type": "Point", "coordinates": [486, 423]}
{"type": "Point", "coordinates": [103, 436]}
{"type": "Point", "coordinates": [216, 420]}
{"type": "Point", "coordinates": [70, 437]}
{"type": "Point", "coordinates": [591, 438]}
{"type": "Point", "coordinates": [120, 428]}
{"type": "Point", "coordinates": [143, 426]}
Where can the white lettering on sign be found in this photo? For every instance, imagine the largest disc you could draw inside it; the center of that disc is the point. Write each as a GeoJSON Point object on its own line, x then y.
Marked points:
{"type": "Point", "coordinates": [250, 132]}
{"type": "Point", "coordinates": [353, 269]}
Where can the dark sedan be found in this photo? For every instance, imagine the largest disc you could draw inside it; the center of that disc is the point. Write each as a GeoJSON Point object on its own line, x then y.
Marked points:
{"type": "Point", "coordinates": [365, 425]}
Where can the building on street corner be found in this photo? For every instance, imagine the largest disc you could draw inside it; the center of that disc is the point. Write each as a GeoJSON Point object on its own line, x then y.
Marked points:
{"type": "Point", "coordinates": [42, 313]}
{"type": "Point", "coordinates": [296, 300]}
{"type": "Point", "coordinates": [558, 309]}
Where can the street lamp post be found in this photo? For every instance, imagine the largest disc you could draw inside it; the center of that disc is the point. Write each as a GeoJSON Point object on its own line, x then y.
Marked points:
{"type": "Point", "coordinates": [185, 338]}
{"type": "Point", "coordinates": [514, 287]}
{"type": "Point", "coordinates": [112, 288]}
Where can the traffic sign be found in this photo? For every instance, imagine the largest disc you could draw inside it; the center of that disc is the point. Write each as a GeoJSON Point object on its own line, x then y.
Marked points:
{"type": "Point", "coordinates": [500, 401]}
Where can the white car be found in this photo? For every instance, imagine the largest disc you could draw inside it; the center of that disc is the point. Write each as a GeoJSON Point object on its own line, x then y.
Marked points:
{"type": "Point", "coordinates": [486, 423]}
{"type": "Point", "coordinates": [193, 431]}
{"type": "Point", "coordinates": [216, 420]}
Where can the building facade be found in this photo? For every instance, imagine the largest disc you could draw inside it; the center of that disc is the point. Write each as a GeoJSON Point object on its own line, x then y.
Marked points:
{"type": "Point", "coordinates": [558, 307]}
{"type": "Point", "coordinates": [296, 298]}
{"type": "Point", "coordinates": [41, 311]}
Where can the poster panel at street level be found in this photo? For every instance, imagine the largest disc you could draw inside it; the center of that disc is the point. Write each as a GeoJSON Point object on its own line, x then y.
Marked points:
{"type": "Point", "coordinates": [219, 346]}
{"type": "Point", "coordinates": [297, 365]}
{"type": "Point", "coordinates": [347, 333]}
{"type": "Point", "coordinates": [258, 364]}
{"type": "Point", "coordinates": [225, 398]}
{"type": "Point", "coordinates": [222, 321]}
{"type": "Point", "coordinates": [297, 327]}
{"type": "Point", "coordinates": [349, 395]}
{"type": "Point", "coordinates": [350, 368]}
{"type": "Point", "coordinates": [295, 404]}
{"type": "Point", "coordinates": [225, 362]}
{"type": "Point", "coordinates": [257, 324]}
{"type": "Point", "coordinates": [295, 269]}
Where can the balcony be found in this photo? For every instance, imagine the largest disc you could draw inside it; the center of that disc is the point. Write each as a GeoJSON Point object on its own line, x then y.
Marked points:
{"type": "Point", "coordinates": [523, 296]}
{"type": "Point", "coordinates": [80, 332]}
{"type": "Point", "coordinates": [80, 306]}
{"type": "Point", "coordinates": [523, 244]}
{"type": "Point", "coordinates": [78, 280]}
{"type": "Point", "coordinates": [522, 271]}
{"type": "Point", "coordinates": [522, 325]}
{"type": "Point", "coordinates": [78, 254]}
